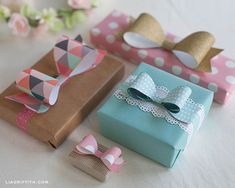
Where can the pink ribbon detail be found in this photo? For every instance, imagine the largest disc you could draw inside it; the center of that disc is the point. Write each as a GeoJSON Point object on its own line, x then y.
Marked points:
{"type": "Point", "coordinates": [111, 157]}
{"type": "Point", "coordinates": [23, 117]}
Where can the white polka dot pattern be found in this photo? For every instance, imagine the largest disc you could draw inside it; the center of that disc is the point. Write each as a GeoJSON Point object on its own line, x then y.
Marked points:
{"type": "Point", "coordinates": [110, 39]}
{"type": "Point", "coordinates": [176, 70]}
{"type": "Point", "coordinates": [213, 87]}
{"type": "Point", "coordinates": [194, 78]}
{"type": "Point", "coordinates": [159, 61]}
{"type": "Point", "coordinates": [230, 64]}
{"type": "Point", "coordinates": [142, 54]}
{"type": "Point", "coordinates": [95, 31]}
{"type": "Point", "coordinates": [230, 79]}
{"type": "Point", "coordinates": [113, 25]}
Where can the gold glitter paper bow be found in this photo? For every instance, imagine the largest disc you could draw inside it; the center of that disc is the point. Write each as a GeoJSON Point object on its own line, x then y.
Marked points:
{"type": "Point", "coordinates": [194, 51]}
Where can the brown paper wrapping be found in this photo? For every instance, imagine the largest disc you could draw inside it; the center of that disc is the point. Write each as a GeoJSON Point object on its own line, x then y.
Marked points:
{"type": "Point", "coordinates": [76, 99]}
{"type": "Point", "coordinates": [91, 164]}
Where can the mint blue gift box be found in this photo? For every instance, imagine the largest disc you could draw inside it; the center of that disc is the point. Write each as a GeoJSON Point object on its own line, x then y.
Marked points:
{"type": "Point", "coordinates": [141, 131]}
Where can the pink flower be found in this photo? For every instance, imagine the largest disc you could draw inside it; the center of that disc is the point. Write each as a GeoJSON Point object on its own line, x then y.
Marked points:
{"type": "Point", "coordinates": [19, 25]}
{"type": "Point", "coordinates": [80, 4]}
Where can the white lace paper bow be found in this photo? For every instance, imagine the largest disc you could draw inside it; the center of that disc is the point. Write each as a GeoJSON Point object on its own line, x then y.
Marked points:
{"type": "Point", "coordinates": [157, 110]}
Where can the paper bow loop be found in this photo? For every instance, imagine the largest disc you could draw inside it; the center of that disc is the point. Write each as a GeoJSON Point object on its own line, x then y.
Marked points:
{"type": "Point", "coordinates": [72, 57]}
{"type": "Point", "coordinates": [175, 101]}
{"type": "Point", "coordinates": [111, 157]}
{"type": "Point", "coordinates": [195, 51]}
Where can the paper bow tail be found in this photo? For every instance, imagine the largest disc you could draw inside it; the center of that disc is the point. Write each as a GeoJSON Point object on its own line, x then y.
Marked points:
{"type": "Point", "coordinates": [195, 51]}
{"type": "Point", "coordinates": [111, 158]}
{"type": "Point", "coordinates": [205, 64]}
{"type": "Point", "coordinates": [29, 102]}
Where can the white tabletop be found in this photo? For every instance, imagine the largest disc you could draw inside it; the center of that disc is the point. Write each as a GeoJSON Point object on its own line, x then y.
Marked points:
{"type": "Point", "coordinates": [209, 161]}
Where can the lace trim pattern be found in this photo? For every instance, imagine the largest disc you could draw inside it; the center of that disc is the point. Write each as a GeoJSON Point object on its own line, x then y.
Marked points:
{"type": "Point", "coordinates": [157, 110]}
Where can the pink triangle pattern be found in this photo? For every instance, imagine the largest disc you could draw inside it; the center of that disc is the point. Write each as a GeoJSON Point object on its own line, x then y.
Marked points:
{"type": "Point", "coordinates": [39, 91]}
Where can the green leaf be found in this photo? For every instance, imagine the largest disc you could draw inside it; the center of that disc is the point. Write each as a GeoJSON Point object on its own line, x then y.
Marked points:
{"type": "Point", "coordinates": [48, 14]}
{"type": "Point", "coordinates": [29, 12]}
{"type": "Point", "coordinates": [25, 10]}
{"type": "Point", "coordinates": [4, 12]}
{"type": "Point", "coordinates": [33, 22]}
{"type": "Point", "coordinates": [1, 16]}
{"type": "Point", "coordinates": [65, 12]}
{"type": "Point", "coordinates": [78, 16]}
{"type": "Point", "coordinates": [68, 20]}
{"type": "Point", "coordinates": [56, 25]}
{"type": "Point", "coordinates": [94, 3]}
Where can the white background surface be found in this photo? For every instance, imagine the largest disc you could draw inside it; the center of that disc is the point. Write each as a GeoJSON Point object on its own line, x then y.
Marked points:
{"type": "Point", "coordinates": [209, 161]}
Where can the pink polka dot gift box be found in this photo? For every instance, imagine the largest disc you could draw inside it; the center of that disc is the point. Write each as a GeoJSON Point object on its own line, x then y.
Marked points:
{"type": "Point", "coordinates": [193, 58]}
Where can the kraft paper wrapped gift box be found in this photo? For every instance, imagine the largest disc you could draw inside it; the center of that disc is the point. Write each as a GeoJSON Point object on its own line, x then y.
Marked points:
{"type": "Point", "coordinates": [76, 99]}
{"type": "Point", "coordinates": [143, 129]}
{"type": "Point", "coordinates": [108, 35]}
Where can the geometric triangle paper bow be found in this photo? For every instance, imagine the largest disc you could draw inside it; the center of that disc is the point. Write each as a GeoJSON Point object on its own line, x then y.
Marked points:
{"type": "Point", "coordinates": [195, 51]}
{"type": "Point", "coordinates": [111, 157]}
{"type": "Point", "coordinates": [176, 102]}
{"type": "Point", "coordinates": [71, 57]}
